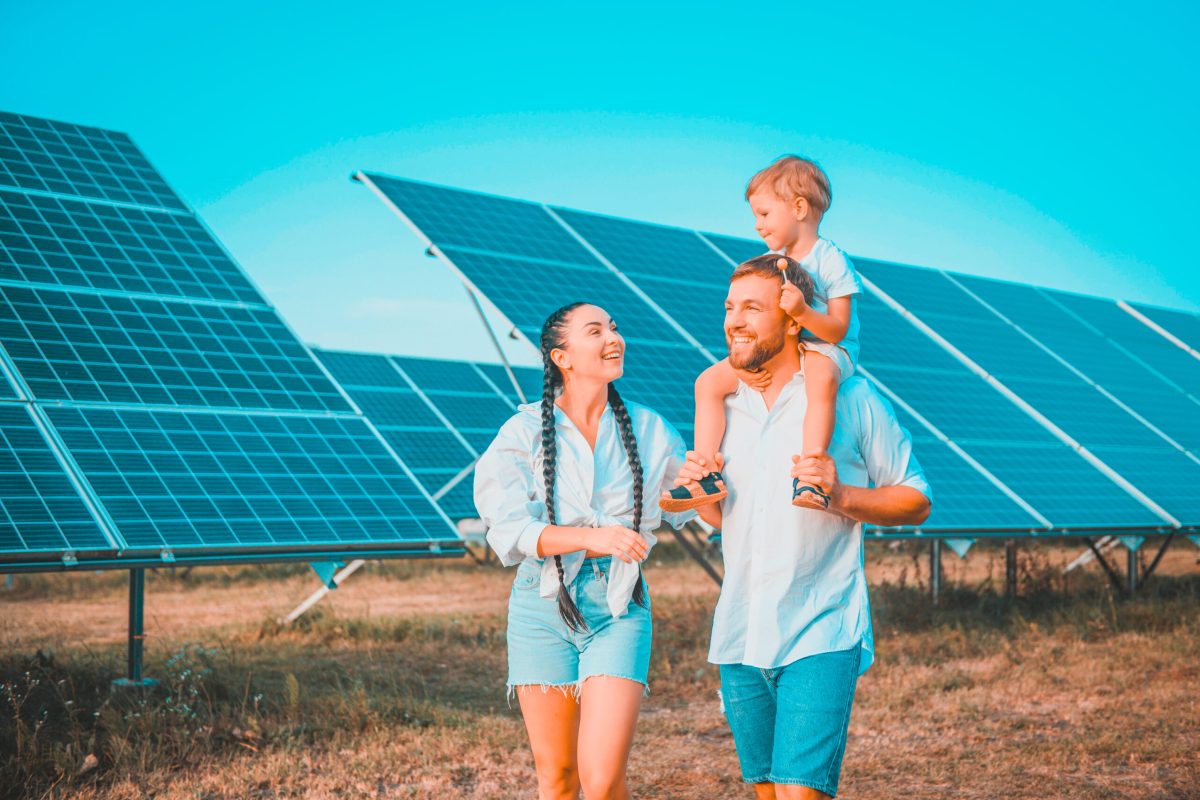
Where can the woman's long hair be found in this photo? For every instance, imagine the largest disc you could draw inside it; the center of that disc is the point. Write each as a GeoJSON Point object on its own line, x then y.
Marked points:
{"type": "Point", "coordinates": [553, 330]}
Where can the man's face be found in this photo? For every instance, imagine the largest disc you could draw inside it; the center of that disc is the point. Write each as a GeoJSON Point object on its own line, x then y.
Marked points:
{"type": "Point", "coordinates": [755, 325]}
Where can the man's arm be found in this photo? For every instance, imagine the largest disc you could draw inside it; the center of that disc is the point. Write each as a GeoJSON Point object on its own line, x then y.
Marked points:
{"type": "Point", "coordinates": [881, 505]}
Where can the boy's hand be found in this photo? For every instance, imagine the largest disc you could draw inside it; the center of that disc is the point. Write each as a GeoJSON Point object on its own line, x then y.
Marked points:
{"type": "Point", "coordinates": [759, 380]}
{"type": "Point", "coordinates": [791, 299]}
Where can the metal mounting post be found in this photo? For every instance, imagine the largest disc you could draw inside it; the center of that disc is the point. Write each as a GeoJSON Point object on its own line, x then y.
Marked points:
{"type": "Point", "coordinates": [1010, 569]}
{"type": "Point", "coordinates": [935, 570]}
{"type": "Point", "coordinates": [137, 595]}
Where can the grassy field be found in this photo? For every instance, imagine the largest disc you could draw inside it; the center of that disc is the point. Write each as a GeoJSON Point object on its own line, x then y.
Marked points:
{"type": "Point", "coordinates": [393, 687]}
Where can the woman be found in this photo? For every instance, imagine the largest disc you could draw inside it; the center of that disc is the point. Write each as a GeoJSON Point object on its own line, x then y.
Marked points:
{"type": "Point", "coordinates": [561, 490]}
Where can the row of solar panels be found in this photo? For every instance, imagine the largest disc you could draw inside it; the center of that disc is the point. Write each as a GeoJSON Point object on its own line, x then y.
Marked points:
{"type": "Point", "coordinates": [1033, 410]}
{"type": "Point", "coordinates": [154, 407]}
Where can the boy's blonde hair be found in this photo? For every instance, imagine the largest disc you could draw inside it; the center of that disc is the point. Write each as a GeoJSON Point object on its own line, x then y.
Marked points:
{"type": "Point", "coordinates": [790, 177]}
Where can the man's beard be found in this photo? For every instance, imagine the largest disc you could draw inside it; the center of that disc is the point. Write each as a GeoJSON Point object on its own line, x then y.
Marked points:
{"type": "Point", "coordinates": [762, 352]}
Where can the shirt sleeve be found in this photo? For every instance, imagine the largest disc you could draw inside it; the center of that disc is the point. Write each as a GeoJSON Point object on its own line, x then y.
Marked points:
{"type": "Point", "coordinates": [838, 275]}
{"type": "Point", "coordinates": [887, 447]}
{"type": "Point", "coordinates": [506, 496]}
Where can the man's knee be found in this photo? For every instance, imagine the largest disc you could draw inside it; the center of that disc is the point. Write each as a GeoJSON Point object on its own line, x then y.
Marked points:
{"type": "Point", "coordinates": [785, 791]}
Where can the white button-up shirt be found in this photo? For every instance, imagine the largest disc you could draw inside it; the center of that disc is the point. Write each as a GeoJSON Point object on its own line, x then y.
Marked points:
{"type": "Point", "coordinates": [794, 584]}
{"type": "Point", "coordinates": [591, 489]}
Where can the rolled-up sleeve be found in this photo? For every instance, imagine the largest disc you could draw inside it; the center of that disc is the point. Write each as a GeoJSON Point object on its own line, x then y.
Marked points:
{"type": "Point", "coordinates": [887, 447]}
{"type": "Point", "coordinates": [506, 497]}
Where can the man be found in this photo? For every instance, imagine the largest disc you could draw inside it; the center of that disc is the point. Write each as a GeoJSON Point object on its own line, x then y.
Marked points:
{"type": "Point", "coordinates": [792, 628]}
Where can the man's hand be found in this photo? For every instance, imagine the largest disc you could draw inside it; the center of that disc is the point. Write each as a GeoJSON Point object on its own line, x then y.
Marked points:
{"type": "Point", "coordinates": [791, 299]}
{"type": "Point", "coordinates": [695, 467]}
{"type": "Point", "coordinates": [759, 380]}
{"type": "Point", "coordinates": [819, 471]}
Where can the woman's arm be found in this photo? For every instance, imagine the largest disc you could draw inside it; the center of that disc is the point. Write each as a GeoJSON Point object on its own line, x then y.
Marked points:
{"type": "Point", "coordinates": [614, 540]}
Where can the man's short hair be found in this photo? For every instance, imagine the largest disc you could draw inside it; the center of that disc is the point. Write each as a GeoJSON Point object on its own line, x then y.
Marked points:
{"type": "Point", "coordinates": [767, 266]}
{"type": "Point", "coordinates": [789, 177]}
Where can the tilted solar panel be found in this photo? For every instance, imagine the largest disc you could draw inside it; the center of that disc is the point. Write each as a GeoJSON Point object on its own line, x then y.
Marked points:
{"type": "Point", "coordinates": [1183, 325]}
{"type": "Point", "coordinates": [70, 242]}
{"type": "Point", "coordinates": [529, 378]}
{"type": "Point", "coordinates": [191, 418]}
{"type": "Point", "coordinates": [60, 157]}
{"type": "Point", "coordinates": [677, 270]}
{"type": "Point", "coordinates": [1146, 391]}
{"type": "Point", "coordinates": [203, 480]}
{"type": "Point", "coordinates": [519, 257]}
{"type": "Point", "coordinates": [99, 347]}
{"type": "Point", "coordinates": [41, 510]}
{"type": "Point", "coordinates": [736, 248]}
{"type": "Point", "coordinates": [1121, 440]}
{"type": "Point", "coordinates": [461, 395]}
{"type": "Point", "coordinates": [1139, 339]}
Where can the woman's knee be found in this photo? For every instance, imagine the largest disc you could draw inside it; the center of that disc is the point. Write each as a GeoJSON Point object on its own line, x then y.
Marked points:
{"type": "Point", "coordinates": [602, 781]}
{"type": "Point", "coordinates": [558, 782]}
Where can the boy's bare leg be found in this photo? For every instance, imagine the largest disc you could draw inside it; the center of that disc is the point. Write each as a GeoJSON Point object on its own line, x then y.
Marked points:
{"type": "Point", "coordinates": [712, 387]}
{"type": "Point", "coordinates": [821, 378]}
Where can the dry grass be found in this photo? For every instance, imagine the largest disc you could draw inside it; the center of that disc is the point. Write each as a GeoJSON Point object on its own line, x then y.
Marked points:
{"type": "Point", "coordinates": [394, 687]}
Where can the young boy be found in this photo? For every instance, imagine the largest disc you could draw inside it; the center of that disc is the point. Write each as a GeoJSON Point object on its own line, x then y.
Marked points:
{"type": "Point", "coordinates": [788, 199]}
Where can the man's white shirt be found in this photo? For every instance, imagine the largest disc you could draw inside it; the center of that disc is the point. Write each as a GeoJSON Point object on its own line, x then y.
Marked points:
{"type": "Point", "coordinates": [795, 584]}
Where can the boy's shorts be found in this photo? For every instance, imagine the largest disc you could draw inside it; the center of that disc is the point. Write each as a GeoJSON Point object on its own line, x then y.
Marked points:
{"type": "Point", "coordinates": [789, 724]}
{"type": "Point", "coordinates": [834, 353]}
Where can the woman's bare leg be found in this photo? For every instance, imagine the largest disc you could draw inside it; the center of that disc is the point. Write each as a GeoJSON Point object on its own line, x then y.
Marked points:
{"type": "Point", "coordinates": [609, 715]}
{"type": "Point", "coordinates": [552, 721]}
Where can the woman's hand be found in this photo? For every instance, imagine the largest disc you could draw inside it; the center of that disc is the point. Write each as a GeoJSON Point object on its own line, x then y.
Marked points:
{"type": "Point", "coordinates": [616, 540]}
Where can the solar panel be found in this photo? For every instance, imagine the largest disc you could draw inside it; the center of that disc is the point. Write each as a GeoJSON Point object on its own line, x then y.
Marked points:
{"type": "Point", "coordinates": [430, 449]}
{"type": "Point", "coordinates": [678, 270]}
{"type": "Point", "coordinates": [69, 242]}
{"type": "Point", "coordinates": [40, 509]}
{"type": "Point", "coordinates": [47, 156]}
{"type": "Point", "coordinates": [189, 414]}
{"type": "Point", "coordinates": [1139, 339]}
{"type": "Point", "coordinates": [1184, 325]}
{"type": "Point", "coordinates": [736, 248]}
{"type": "Point", "coordinates": [519, 257]}
{"type": "Point", "coordinates": [1110, 432]}
{"type": "Point", "coordinates": [529, 379]}
{"type": "Point", "coordinates": [1087, 349]}
{"type": "Point", "coordinates": [461, 395]}
{"type": "Point", "coordinates": [99, 347]}
{"type": "Point", "coordinates": [189, 480]}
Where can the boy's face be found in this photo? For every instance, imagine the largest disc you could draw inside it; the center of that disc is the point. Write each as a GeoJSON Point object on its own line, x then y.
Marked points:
{"type": "Point", "coordinates": [775, 220]}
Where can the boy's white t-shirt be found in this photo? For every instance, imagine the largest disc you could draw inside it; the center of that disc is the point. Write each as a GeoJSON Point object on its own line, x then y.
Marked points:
{"type": "Point", "coordinates": [833, 276]}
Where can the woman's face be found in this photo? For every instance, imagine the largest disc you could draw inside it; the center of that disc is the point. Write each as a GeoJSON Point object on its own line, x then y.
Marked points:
{"type": "Point", "coordinates": [592, 349]}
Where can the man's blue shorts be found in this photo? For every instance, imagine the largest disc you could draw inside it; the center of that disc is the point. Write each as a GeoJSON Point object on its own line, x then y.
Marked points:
{"type": "Point", "coordinates": [789, 724]}
{"type": "Point", "coordinates": [543, 651]}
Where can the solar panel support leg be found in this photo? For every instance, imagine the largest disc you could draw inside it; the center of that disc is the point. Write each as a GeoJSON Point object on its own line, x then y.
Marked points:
{"type": "Point", "coordinates": [496, 343]}
{"type": "Point", "coordinates": [1131, 571]}
{"type": "Point", "coordinates": [137, 597]}
{"type": "Point", "coordinates": [1149, 568]}
{"type": "Point", "coordinates": [935, 570]}
{"type": "Point", "coordinates": [1010, 569]}
{"type": "Point", "coordinates": [691, 549]}
{"type": "Point", "coordinates": [1108, 570]}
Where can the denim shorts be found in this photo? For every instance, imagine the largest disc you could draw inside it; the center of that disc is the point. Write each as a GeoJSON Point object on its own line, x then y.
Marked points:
{"type": "Point", "coordinates": [542, 650]}
{"type": "Point", "coordinates": [789, 724]}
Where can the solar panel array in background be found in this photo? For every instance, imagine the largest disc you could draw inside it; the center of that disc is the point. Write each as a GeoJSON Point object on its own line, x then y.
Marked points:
{"type": "Point", "coordinates": [515, 254]}
{"type": "Point", "coordinates": [191, 416]}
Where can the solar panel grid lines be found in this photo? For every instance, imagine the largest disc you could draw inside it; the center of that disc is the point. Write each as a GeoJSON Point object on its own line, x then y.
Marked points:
{"type": "Point", "coordinates": [192, 479]}
{"type": "Point", "coordinates": [927, 280]}
{"type": "Point", "coordinates": [1087, 354]}
{"type": "Point", "coordinates": [1181, 328]}
{"type": "Point", "coordinates": [43, 509]}
{"type": "Point", "coordinates": [662, 273]}
{"type": "Point", "coordinates": [970, 491]}
{"type": "Point", "coordinates": [63, 158]}
{"type": "Point", "coordinates": [433, 407]}
{"type": "Point", "coordinates": [78, 242]}
{"type": "Point", "coordinates": [530, 380]}
{"type": "Point", "coordinates": [109, 348]}
{"type": "Point", "coordinates": [1138, 339]}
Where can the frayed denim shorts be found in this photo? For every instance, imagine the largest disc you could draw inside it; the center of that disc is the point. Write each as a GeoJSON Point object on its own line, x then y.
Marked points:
{"type": "Point", "coordinates": [544, 651]}
{"type": "Point", "coordinates": [789, 724]}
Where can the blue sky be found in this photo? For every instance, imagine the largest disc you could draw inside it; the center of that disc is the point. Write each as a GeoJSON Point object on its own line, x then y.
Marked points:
{"type": "Point", "coordinates": [1053, 145]}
